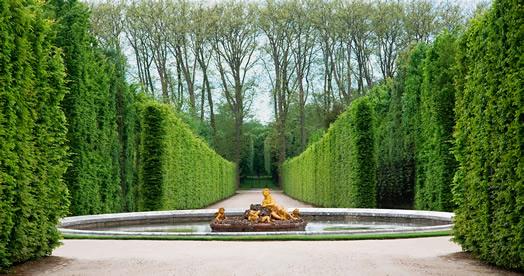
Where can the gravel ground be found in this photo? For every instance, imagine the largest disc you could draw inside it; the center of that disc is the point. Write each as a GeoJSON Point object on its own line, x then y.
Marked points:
{"type": "Point", "coordinates": [422, 256]}
{"type": "Point", "coordinates": [243, 198]}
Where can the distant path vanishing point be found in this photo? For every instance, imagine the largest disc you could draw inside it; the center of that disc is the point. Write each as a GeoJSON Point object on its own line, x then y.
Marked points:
{"type": "Point", "coordinates": [243, 198]}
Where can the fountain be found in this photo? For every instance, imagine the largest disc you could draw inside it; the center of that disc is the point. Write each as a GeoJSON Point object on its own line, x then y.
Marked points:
{"type": "Point", "coordinates": [264, 219]}
{"type": "Point", "coordinates": [268, 216]}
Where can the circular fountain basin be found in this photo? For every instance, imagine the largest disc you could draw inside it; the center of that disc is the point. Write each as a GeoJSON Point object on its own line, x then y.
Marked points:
{"type": "Point", "coordinates": [195, 223]}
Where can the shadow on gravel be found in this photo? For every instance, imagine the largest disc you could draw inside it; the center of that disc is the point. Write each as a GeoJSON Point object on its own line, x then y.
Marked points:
{"type": "Point", "coordinates": [468, 258]}
{"type": "Point", "coordinates": [36, 267]}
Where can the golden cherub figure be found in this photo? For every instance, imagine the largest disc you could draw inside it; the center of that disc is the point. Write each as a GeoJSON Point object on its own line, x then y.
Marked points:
{"type": "Point", "coordinates": [253, 216]}
{"type": "Point", "coordinates": [220, 215]}
{"type": "Point", "coordinates": [277, 211]}
{"type": "Point", "coordinates": [295, 214]}
{"type": "Point", "coordinates": [265, 219]}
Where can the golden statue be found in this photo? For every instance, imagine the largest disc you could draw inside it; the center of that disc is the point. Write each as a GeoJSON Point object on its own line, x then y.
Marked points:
{"type": "Point", "coordinates": [296, 214]}
{"type": "Point", "coordinates": [277, 211]}
{"type": "Point", "coordinates": [220, 215]}
{"type": "Point", "coordinates": [266, 219]}
{"type": "Point", "coordinates": [268, 216]}
{"type": "Point", "coordinates": [253, 216]}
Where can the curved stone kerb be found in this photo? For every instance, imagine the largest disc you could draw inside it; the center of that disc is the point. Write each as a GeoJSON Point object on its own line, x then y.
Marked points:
{"type": "Point", "coordinates": [67, 225]}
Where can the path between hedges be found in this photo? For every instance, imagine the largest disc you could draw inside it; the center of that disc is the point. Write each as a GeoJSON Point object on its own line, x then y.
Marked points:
{"type": "Point", "coordinates": [422, 256]}
{"type": "Point", "coordinates": [243, 198]}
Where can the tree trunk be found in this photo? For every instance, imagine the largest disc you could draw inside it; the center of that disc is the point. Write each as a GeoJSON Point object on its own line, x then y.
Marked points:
{"type": "Point", "coordinates": [238, 145]}
{"type": "Point", "coordinates": [211, 108]}
{"type": "Point", "coordinates": [302, 117]}
{"type": "Point", "coordinates": [202, 102]}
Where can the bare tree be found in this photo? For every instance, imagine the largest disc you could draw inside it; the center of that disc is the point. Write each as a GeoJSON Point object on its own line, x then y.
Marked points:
{"type": "Point", "coordinates": [234, 43]}
{"type": "Point", "coordinates": [325, 32]}
{"type": "Point", "coordinates": [180, 43]}
{"type": "Point", "coordinates": [389, 35]}
{"type": "Point", "coordinates": [303, 50]}
{"type": "Point", "coordinates": [420, 19]}
{"type": "Point", "coordinates": [107, 23]}
{"type": "Point", "coordinates": [275, 21]}
{"type": "Point", "coordinates": [136, 35]}
{"type": "Point", "coordinates": [360, 27]}
{"type": "Point", "coordinates": [202, 50]}
{"type": "Point", "coordinates": [154, 20]}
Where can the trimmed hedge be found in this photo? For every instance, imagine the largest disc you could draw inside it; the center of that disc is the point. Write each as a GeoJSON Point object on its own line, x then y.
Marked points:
{"type": "Point", "coordinates": [415, 120]}
{"type": "Point", "coordinates": [94, 177]}
{"type": "Point", "coordinates": [339, 169]}
{"type": "Point", "coordinates": [489, 184]}
{"type": "Point", "coordinates": [435, 162]}
{"type": "Point", "coordinates": [398, 119]}
{"type": "Point", "coordinates": [177, 169]}
{"type": "Point", "coordinates": [395, 169]}
{"type": "Point", "coordinates": [32, 134]}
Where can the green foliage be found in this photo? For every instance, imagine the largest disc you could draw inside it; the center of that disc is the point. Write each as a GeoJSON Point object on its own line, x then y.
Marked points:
{"type": "Point", "coordinates": [254, 135]}
{"type": "Point", "coordinates": [435, 162]}
{"type": "Point", "coordinates": [269, 165]}
{"type": "Point", "coordinates": [128, 136]}
{"type": "Point", "coordinates": [415, 122]}
{"type": "Point", "coordinates": [411, 74]}
{"type": "Point", "coordinates": [338, 170]}
{"type": "Point", "coordinates": [252, 163]}
{"type": "Point", "coordinates": [178, 170]}
{"type": "Point", "coordinates": [257, 182]}
{"type": "Point", "coordinates": [32, 133]}
{"type": "Point", "coordinates": [394, 186]}
{"type": "Point", "coordinates": [489, 184]}
{"type": "Point", "coordinates": [94, 178]}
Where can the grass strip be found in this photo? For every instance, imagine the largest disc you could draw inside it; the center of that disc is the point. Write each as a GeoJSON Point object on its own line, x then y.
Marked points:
{"type": "Point", "coordinates": [270, 238]}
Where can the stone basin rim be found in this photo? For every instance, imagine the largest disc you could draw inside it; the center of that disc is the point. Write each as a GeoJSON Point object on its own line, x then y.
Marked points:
{"type": "Point", "coordinates": [68, 224]}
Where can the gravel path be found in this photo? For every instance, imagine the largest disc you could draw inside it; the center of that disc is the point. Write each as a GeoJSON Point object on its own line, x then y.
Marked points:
{"type": "Point", "coordinates": [243, 198]}
{"type": "Point", "coordinates": [423, 256]}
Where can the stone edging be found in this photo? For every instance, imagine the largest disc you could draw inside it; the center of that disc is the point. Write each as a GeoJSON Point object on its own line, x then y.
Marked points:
{"type": "Point", "coordinates": [67, 224]}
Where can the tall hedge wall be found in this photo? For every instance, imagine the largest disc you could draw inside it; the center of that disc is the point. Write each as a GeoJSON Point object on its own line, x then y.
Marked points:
{"type": "Point", "coordinates": [32, 134]}
{"type": "Point", "coordinates": [94, 177]}
{"type": "Point", "coordinates": [415, 120]}
{"type": "Point", "coordinates": [338, 170]}
{"type": "Point", "coordinates": [489, 183]}
{"type": "Point", "coordinates": [127, 101]}
{"type": "Point", "coordinates": [435, 162]}
{"type": "Point", "coordinates": [177, 169]}
{"type": "Point", "coordinates": [395, 168]}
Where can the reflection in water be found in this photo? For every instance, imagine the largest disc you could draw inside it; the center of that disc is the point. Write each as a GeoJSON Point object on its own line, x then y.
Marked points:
{"type": "Point", "coordinates": [313, 226]}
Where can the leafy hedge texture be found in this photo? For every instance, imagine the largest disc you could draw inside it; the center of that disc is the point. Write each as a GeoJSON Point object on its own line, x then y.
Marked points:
{"type": "Point", "coordinates": [94, 177]}
{"type": "Point", "coordinates": [435, 162]}
{"type": "Point", "coordinates": [415, 120]}
{"type": "Point", "coordinates": [32, 134]}
{"type": "Point", "coordinates": [397, 107]}
{"type": "Point", "coordinates": [395, 168]}
{"type": "Point", "coordinates": [489, 183]}
{"type": "Point", "coordinates": [339, 169]}
{"type": "Point", "coordinates": [178, 170]}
